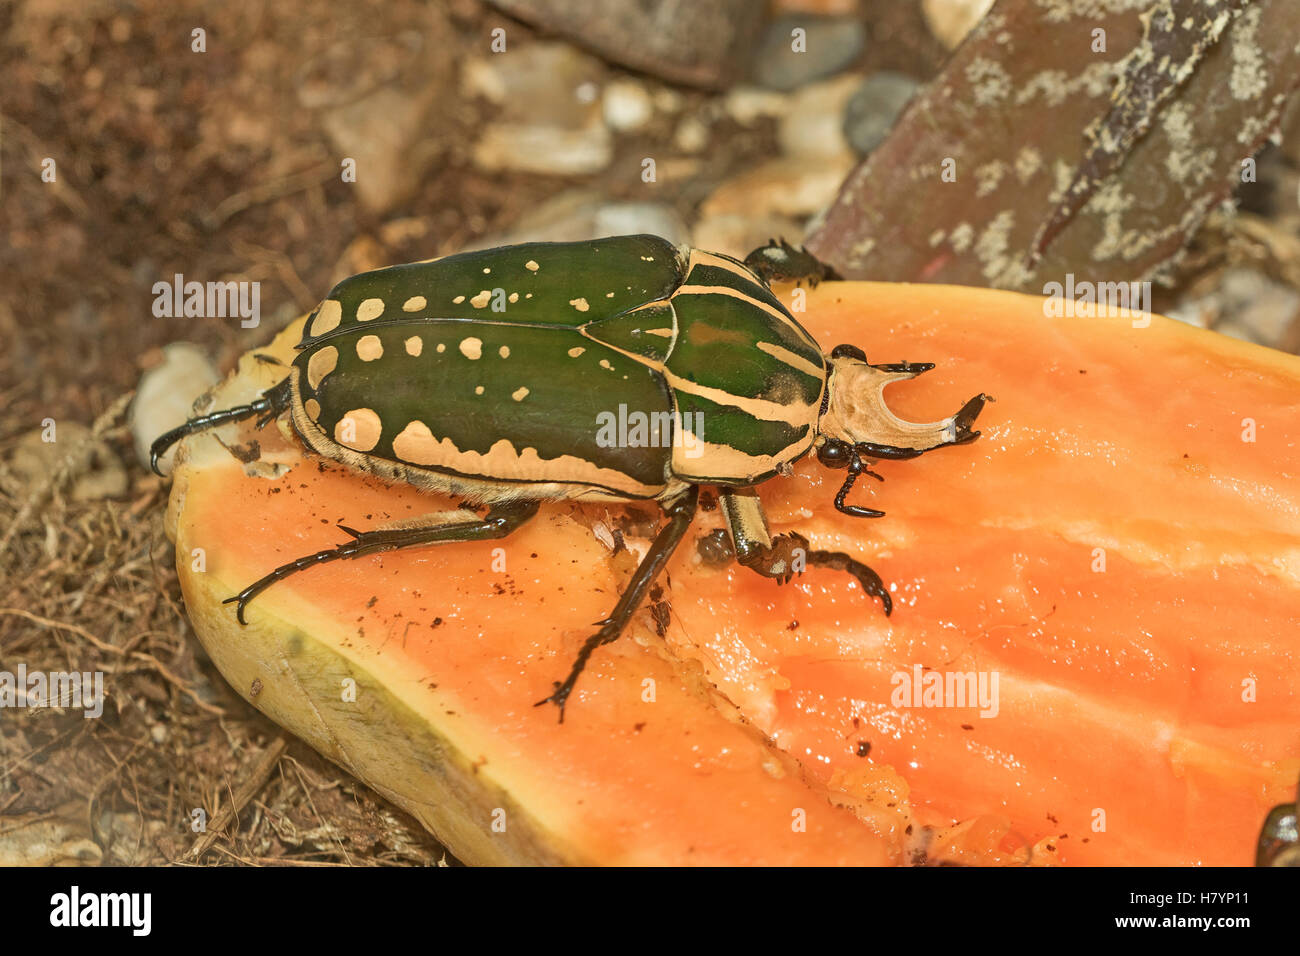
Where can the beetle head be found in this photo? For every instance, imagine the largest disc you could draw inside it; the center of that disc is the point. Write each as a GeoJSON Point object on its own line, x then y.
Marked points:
{"type": "Point", "coordinates": [857, 414]}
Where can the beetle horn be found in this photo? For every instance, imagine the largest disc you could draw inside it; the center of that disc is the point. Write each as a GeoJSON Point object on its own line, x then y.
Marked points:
{"type": "Point", "coordinates": [858, 413]}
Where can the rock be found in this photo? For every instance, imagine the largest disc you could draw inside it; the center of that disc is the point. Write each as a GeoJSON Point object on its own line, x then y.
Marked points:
{"type": "Point", "coordinates": [828, 45]}
{"type": "Point", "coordinates": [1253, 307]}
{"type": "Point", "coordinates": [813, 124]}
{"type": "Point", "coordinates": [550, 112]}
{"type": "Point", "coordinates": [951, 20]}
{"type": "Point", "coordinates": [748, 104]}
{"type": "Point", "coordinates": [167, 394]}
{"type": "Point", "coordinates": [585, 214]}
{"type": "Point", "coordinates": [627, 106]}
{"type": "Point", "coordinates": [682, 41]}
{"type": "Point", "coordinates": [787, 188]}
{"type": "Point", "coordinates": [96, 472]}
{"type": "Point", "coordinates": [549, 150]}
{"type": "Point", "coordinates": [692, 135]}
{"type": "Point", "coordinates": [874, 107]}
{"type": "Point", "coordinates": [379, 132]}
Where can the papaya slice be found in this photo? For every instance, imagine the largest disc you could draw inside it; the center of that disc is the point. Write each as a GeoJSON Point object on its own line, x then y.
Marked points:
{"type": "Point", "coordinates": [1092, 658]}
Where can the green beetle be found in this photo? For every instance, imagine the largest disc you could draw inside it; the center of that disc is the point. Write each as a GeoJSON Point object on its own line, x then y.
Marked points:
{"type": "Point", "coordinates": [618, 369]}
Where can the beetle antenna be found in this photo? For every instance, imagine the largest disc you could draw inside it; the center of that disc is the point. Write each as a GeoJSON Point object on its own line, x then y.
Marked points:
{"type": "Point", "coordinates": [272, 403]}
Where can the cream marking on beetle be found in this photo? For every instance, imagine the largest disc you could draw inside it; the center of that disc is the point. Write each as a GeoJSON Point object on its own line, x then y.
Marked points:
{"type": "Point", "coordinates": [699, 257]}
{"type": "Point", "coordinates": [528, 295]}
{"type": "Point", "coordinates": [369, 348]}
{"type": "Point", "coordinates": [609, 295]}
{"type": "Point", "coordinates": [579, 304]}
{"type": "Point", "coordinates": [520, 393]}
{"type": "Point", "coordinates": [328, 317]}
{"type": "Point", "coordinates": [365, 427]}
{"type": "Point", "coordinates": [576, 351]}
{"type": "Point", "coordinates": [795, 414]}
{"type": "Point", "coordinates": [321, 364]}
{"type": "Point", "coordinates": [313, 409]}
{"type": "Point", "coordinates": [474, 488]}
{"type": "Point", "coordinates": [708, 460]}
{"type": "Point", "coordinates": [662, 333]}
{"type": "Point", "coordinates": [504, 351]}
{"type": "Point", "coordinates": [414, 345]}
{"type": "Point", "coordinates": [482, 299]}
{"type": "Point", "coordinates": [370, 309]}
{"type": "Point", "coordinates": [471, 348]}
{"type": "Point", "coordinates": [417, 444]}
{"type": "Point", "coordinates": [531, 265]}
{"type": "Point", "coordinates": [486, 271]}
{"type": "Point", "coordinates": [442, 347]}
{"type": "Point", "coordinates": [458, 300]}
{"type": "Point", "coordinates": [478, 390]}
{"type": "Point", "coordinates": [514, 297]}
{"type": "Point", "coordinates": [415, 303]}
{"type": "Point", "coordinates": [797, 362]}
{"type": "Point", "coordinates": [604, 363]}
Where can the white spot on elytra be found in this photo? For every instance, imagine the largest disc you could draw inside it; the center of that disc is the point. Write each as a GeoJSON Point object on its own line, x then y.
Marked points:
{"type": "Point", "coordinates": [414, 304]}
{"type": "Point", "coordinates": [482, 299]}
{"type": "Point", "coordinates": [531, 266]}
{"type": "Point", "coordinates": [471, 348]}
{"type": "Point", "coordinates": [414, 345]}
{"type": "Point", "coordinates": [478, 390]}
{"type": "Point", "coordinates": [504, 351]}
{"type": "Point", "coordinates": [370, 309]}
{"type": "Point", "coordinates": [369, 348]}
{"type": "Point", "coordinates": [576, 351]}
{"type": "Point", "coordinates": [519, 394]}
{"type": "Point", "coordinates": [579, 304]}
{"type": "Point", "coordinates": [458, 300]}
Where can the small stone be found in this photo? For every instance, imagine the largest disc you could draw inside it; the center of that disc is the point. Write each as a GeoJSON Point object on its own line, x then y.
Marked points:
{"type": "Point", "coordinates": [96, 472]}
{"type": "Point", "coordinates": [748, 104]}
{"type": "Point", "coordinates": [584, 214]}
{"type": "Point", "coordinates": [786, 60]}
{"type": "Point", "coordinates": [813, 125]}
{"type": "Point", "coordinates": [626, 106]}
{"type": "Point", "coordinates": [873, 109]}
{"type": "Point", "coordinates": [692, 136]}
{"type": "Point", "coordinates": [951, 20]}
{"type": "Point", "coordinates": [790, 188]}
{"type": "Point", "coordinates": [549, 150]}
{"type": "Point", "coordinates": [167, 394]}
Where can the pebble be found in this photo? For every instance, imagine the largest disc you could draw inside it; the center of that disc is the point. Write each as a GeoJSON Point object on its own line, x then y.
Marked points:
{"type": "Point", "coordinates": [874, 107]}
{"type": "Point", "coordinates": [951, 20]}
{"type": "Point", "coordinates": [96, 471]}
{"type": "Point", "coordinates": [582, 214]}
{"type": "Point", "coordinates": [549, 119]}
{"type": "Point", "coordinates": [626, 106]}
{"type": "Point", "coordinates": [829, 45]}
{"type": "Point", "coordinates": [167, 394]}
{"type": "Point", "coordinates": [813, 123]}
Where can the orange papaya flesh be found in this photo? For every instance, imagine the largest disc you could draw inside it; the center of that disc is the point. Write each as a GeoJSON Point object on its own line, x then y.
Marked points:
{"type": "Point", "coordinates": [1120, 551]}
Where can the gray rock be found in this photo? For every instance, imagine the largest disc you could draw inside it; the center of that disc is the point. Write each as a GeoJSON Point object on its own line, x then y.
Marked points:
{"type": "Point", "coordinates": [872, 110]}
{"type": "Point", "coordinates": [829, 45]}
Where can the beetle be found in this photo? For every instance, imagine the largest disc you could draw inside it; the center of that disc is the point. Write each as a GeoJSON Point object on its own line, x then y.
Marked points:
{"type": "Point", "coordinates": [621, 369]}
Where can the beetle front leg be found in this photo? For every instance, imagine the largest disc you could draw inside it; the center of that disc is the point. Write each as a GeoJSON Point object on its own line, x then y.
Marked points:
{"type": "Point", "coordinates": [782, 556]}
{"type": "Point", "coordinates": [273, 401]}
{"type": "Point", "coordinates": [500, 521]}
{"type": "Point", "coordinates": [680, 512]}
{"type": "Point", "coordinates": [781, 262]}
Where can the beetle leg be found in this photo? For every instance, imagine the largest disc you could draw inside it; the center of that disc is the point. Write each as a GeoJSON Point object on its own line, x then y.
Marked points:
{"type": "Point", "coordinates": [680, 512]}
{"type": "Point", "coordinates": [782, 262]}
{"type": "Point", "coordinates": [499, 522]}
{"type": "Point", "coordinates": [856, 467]}
{"type": "Point", "coordinates": [780, 556]}
{"type": "Point", "coordinates": [272, 403]}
